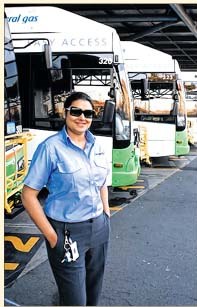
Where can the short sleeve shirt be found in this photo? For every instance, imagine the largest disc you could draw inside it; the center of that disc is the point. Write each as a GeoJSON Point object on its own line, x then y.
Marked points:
{"type": "Point", "coordinates": [72, 176]}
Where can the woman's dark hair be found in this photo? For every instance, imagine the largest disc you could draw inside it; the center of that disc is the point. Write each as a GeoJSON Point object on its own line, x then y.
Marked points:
{"type": "Point", "coordinates": [75, 96]}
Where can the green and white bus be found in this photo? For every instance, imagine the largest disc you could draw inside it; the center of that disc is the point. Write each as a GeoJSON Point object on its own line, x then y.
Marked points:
{"type": "Point", "coordinates": [14, 140]}
{"type": "Point", "coordinates": [190, 85]}
{"type": "Point", "coordinates": [12, 103]}
{"type": "Point", "coordinates": [59, 52]}
{"type": "Point", "coordinates": [159, 99]}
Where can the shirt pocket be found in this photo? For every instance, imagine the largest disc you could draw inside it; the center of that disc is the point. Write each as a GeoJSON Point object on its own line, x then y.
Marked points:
{"type": "Point", "coordinates": [100, 169]}
{"type": "Point", "coordinates": [65, 168]}
{"type": "Point", "coordinates": [67, 176]}
{"type": "Point", "coordinates": [100, 161]}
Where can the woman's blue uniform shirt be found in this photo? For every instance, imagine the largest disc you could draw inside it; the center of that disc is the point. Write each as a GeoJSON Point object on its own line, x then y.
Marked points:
{"type": "Point", "coordinates": [73, 177]}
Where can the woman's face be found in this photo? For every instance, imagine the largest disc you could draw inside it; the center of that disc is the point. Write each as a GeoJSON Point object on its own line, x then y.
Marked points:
{"type": "Point", "coordinates": [78, 125]}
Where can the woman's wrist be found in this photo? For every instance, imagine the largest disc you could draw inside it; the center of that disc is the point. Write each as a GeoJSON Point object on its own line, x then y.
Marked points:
{"type": "Point", "coordinates": [107, 211]}
{"type": "Point", "coordinates": [52, 238]}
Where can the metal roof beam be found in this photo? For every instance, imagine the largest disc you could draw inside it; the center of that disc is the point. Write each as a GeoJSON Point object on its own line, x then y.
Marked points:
{"type": "Point", "coordinates": [151, 30]}
{"type": "Point", "coordinates": [133, 18]}
{"type": "Point", "coordinates": [178, 8]}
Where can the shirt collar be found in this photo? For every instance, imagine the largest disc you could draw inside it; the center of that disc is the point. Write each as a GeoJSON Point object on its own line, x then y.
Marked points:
{"type": "Point", "coordinates": [89, 136]}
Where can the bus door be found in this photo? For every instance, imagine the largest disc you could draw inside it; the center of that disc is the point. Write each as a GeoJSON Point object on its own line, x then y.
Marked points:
{"type": "Point", "coordinates": [182, 146]}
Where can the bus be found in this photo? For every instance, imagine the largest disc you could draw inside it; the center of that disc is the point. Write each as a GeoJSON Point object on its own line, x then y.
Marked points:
{"type": "Point", "coordinates": [14, 139]}
{"type": "Point", "coordinates": [159, 99]}
{"type": "Point", "coordinates": [12, 103]}
{"type": "Point", "coordinates": [190, 85]}
{"type": "Point", "coordinates": [59, 52]}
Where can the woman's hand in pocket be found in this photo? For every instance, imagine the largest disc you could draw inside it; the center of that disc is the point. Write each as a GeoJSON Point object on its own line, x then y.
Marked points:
{"type": "Point", "coordinates": [53, 240]}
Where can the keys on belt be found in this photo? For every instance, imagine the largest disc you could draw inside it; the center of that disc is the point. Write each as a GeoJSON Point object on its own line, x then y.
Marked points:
{"type": "Point", "coordinates": [70, 247]}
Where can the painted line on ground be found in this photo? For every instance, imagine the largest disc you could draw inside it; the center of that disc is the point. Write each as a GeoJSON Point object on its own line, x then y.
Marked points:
{"type": "Point", "coordinates": [132, 187]}
{"type": "Point", "coordinates": [146, 190]}
{"type": "Point", "coordinates": [12, 225]}
{"type": "Point", "coordinates": [19, 245]}
{"type": "Point", "coordinates": [115, 208]}
{"type": "Point", "coordinates": [178, 159]}
{"type": "Point", "coordinates": [10, 266]}
{"type": "Point", "coordinates": [11, 302]}
{"type": "Point", "coordinates": [168, 168]}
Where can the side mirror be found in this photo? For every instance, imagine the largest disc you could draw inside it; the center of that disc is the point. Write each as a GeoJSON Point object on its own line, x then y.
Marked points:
{"type": "Point", "coordinates": [111, 93]}
{"type": "Point", "coordinates": [175, 97]}
{"type": "Point", "coordinates": [144, 88]}
{"type": "Point", "coordinates": [174, 110]}
{"type": "Point", "coordinates": [108, 112]}
{"type": "Point", "coordinates": [48, 56]}
{"type": "Point", "coordinates": [145, 85]}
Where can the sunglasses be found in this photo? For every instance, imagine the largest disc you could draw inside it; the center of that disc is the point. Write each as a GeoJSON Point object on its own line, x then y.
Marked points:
{"type": "Point", "coordinates": [77, 112]}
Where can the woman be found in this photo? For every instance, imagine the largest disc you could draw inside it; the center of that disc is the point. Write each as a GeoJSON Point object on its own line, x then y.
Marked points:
{"type": "Point", "coordinates": [75, 216]}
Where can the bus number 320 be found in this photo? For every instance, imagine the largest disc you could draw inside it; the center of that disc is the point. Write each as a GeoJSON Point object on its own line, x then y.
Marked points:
{"type": "Point", "coordinates": [105, 61]}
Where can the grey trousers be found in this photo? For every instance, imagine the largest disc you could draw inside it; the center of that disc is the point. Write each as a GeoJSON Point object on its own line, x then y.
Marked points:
{"type": "Point", "coordinates": [80, 282]}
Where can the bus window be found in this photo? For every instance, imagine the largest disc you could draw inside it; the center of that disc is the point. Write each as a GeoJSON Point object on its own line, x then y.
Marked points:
{"type": "Point", "coordinates": [122, 123]}
{"type": "Point", "coordinates": [12, 103]}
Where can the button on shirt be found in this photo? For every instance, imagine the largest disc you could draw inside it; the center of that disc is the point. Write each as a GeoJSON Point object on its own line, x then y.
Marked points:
{"type": "Point", "coordinates": [73, 177]}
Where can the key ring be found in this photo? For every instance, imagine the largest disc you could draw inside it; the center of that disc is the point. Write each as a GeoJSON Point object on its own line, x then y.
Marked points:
{"type": "Point", "coordinates": [67, 240]}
